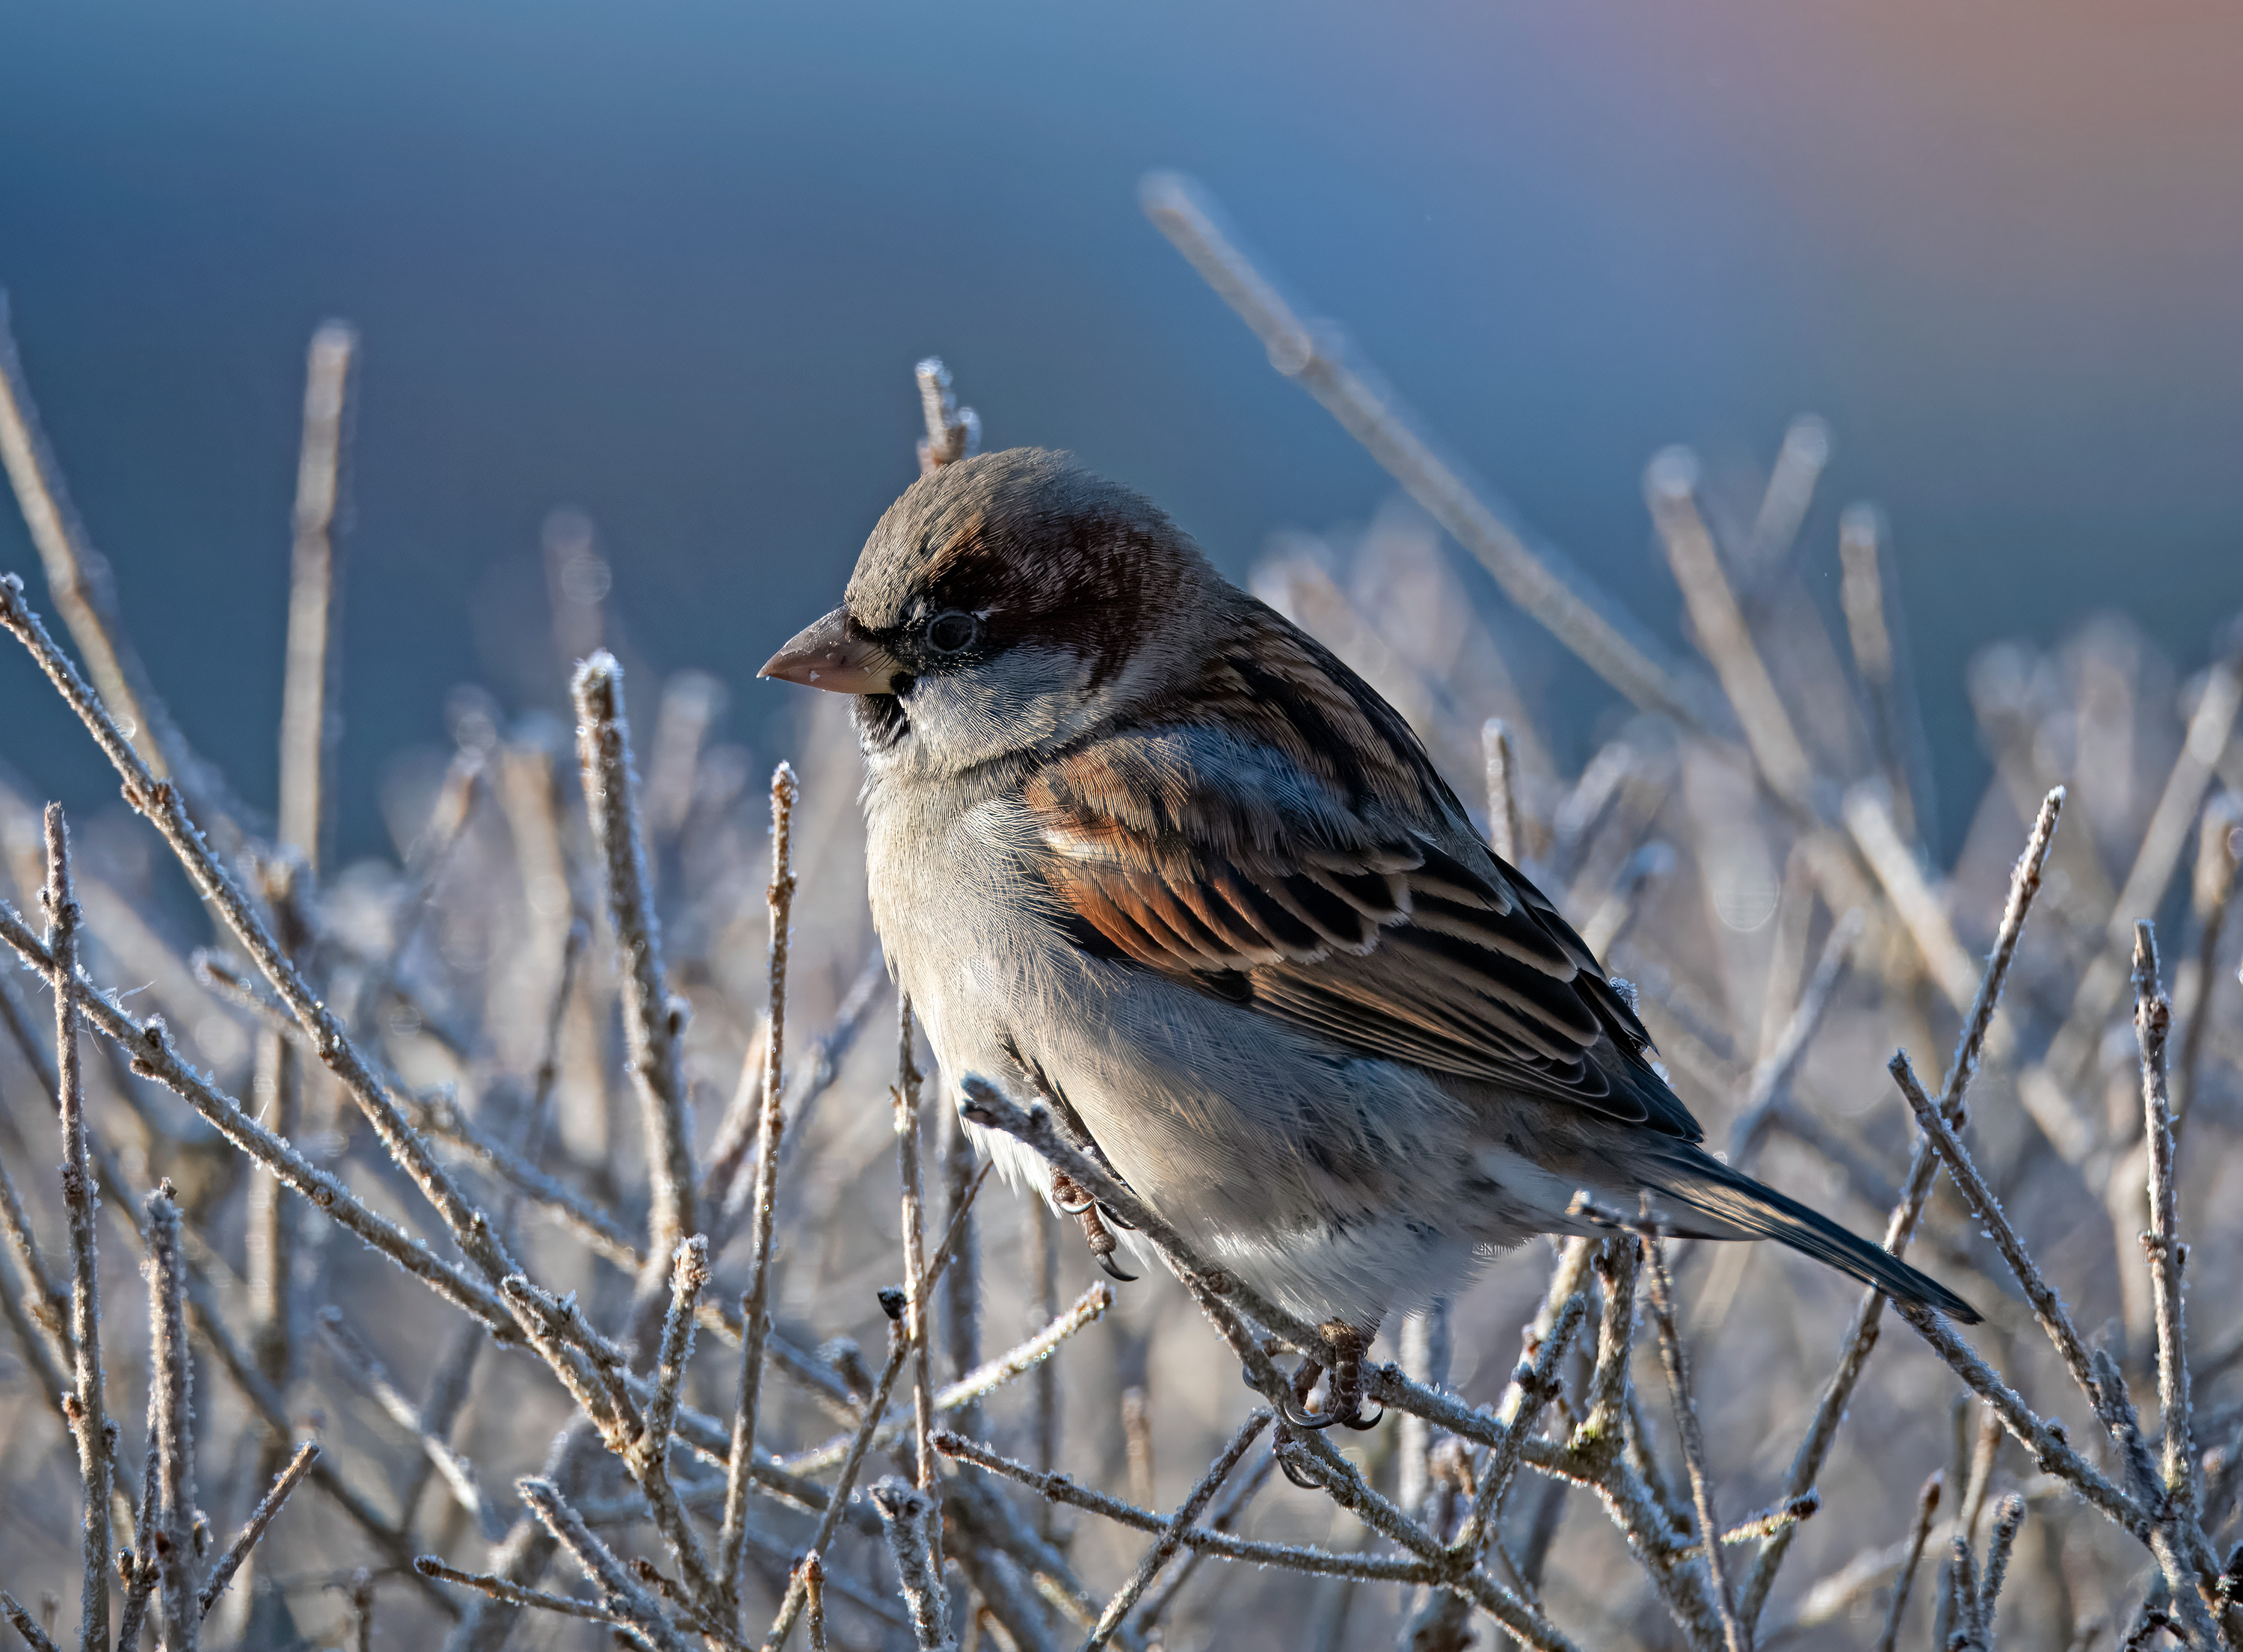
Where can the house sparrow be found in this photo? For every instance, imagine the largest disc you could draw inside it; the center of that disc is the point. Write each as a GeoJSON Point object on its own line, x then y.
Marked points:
{"type": "Point", "coordinates": [1140, 847]}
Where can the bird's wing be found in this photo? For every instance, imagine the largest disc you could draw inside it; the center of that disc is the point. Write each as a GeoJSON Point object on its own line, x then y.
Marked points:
{"type": "Point", "coordinates": [1287, 846]}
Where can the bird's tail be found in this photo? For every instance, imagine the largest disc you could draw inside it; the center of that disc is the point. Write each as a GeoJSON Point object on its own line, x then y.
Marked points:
{"type": "Point", "coordinates": [1732, 1204]}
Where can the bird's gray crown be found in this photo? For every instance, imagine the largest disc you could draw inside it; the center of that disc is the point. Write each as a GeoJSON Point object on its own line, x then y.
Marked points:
{"type": "Point", "coordinates": [1032, 542]}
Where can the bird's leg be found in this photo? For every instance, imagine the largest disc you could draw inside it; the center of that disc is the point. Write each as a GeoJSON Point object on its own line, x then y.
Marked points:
{"type": "Point", "coordinates": [1069, 1197]}
{"type": "Point", "coordinates": [1349, 1343]}
{"type": "Point", "coordinates": [1344, 1345]}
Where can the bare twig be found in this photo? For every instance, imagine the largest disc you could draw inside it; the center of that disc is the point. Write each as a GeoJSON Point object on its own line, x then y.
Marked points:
{"type": "Point", "coordinates": [2007, 1519]}
{"type": "Point", "coordinates": [45, 1304]}
{"type": "Point", "coordinates": [654, 1022]}
{"type": "Point", "coordinates": [150, 1047]}
{"type": "Point", "coordinates": [755, 1307]}
{"type": "Point", "coordinates": [898, 1349]}
{"type": "Point", "coordinates": [1503, 830]}
{"type": "Point", "coordinates": [2152, 1027]}
{"type": "Point", "coordinates": [648, 1460]}
{"type": "Point", "coordinates": [259, 1518]}
{"type": "Point", "coordinates": [458, 1472]}
{"type": "Point", "coordinates": [160, 802]}
{"type": "Point", "coordinates": [2048, 1306]}
{"type": "Point", "coordinates": [1061, 1489]}
{"type": "Point", "coordinates": [87, 1412]}
{"type": "Point", "coordinates": [905, 1097]}
{"type": "Point", "coordinates": [953, 432]}
{"type": "Point", "coordinates": [906, 1514]}
{"type": "Point", "coordinates": [305, 731]}
{"type": "Point", "coordinates": [27, 1626]}
{"type": "Point", "coordinates": [985, 1378]}
{"type": "Point", "coordinates": [77, 575]}
{"type": "Point", "coordinates": [1927, 1505]}
{"type": "Point", "coordinates": [500, 1588]}
{"type": "Point", "coordinates": [1772, 1076]}
{"type": "Point", "coordinates": [1534, 1386]}
{"type": "Point", "coordinates": [2220, 853]}
{"type": "Point", "coordinates": [1669, 486]}
{"type": "Point", "coordinates": [1531, 573]}
{"type": "Point", "coordinates": [2103, 981]}
{"type": "Point", "coordinates": [1861, 1335]}
{"type": "Point", "coordinates": [623, 1588]}
{"type": "Point", "coordinates": [171, 1527]}
{"type": "Point", "coordinates": [1196, 1500]}
{"type": "Point", "coordinates": [1676, 1361]}
{"type": "Point", "coordinates": [813, 1596]}
{"type": "Point", "coordinates": [1862, 592]}
{"type": "Point", "coordinates": [1868, 817]}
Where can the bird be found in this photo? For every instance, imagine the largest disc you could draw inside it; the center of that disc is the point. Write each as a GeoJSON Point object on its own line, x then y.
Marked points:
{"type": "Point", "coordinates": [1141, 848]}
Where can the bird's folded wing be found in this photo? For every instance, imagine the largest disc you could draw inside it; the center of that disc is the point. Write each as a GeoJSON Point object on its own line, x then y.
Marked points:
{"type": "Point", "coordinates": [1216, 858]}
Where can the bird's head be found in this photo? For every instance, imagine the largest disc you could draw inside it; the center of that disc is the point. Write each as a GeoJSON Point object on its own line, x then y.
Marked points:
{"type": "Point", "coordinates": [1007, 603]}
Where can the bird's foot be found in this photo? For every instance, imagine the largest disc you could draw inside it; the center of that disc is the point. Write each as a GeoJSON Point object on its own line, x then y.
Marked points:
{"type": "Point", "coordinates": [1343, 1395]}
{"type": "Point", "coordinates": [1070, 1198]}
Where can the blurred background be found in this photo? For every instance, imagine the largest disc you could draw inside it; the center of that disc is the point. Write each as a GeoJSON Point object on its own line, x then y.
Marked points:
{"type": "Point", "coordinates": [672, 268]}
{"type": "Point", "coordinates": [639, 292]}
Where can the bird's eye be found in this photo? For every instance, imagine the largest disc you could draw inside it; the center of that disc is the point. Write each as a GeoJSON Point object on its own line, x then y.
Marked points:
{"type": "Point", "coordinates": [952, 631]}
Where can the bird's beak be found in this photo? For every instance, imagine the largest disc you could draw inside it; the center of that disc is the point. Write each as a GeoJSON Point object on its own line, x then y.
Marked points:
{"type": "Point", "coordinates": [824, 655]}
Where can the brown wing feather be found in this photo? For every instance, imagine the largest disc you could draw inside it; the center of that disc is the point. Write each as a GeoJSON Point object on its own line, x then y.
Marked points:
{"type": "Point", "coordinates": [1291, 834]}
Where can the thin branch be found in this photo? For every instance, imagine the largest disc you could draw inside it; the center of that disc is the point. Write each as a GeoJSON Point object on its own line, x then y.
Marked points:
{"type": "Point", "coordinates": [1059, 1488]}
{"type": "Point", "coordinates": [984, 1379]}
{"type": "Point", "coordinates": [379, 1530]}
{"type": "Point", "coordinates": [171, 1527]}
{"type": "Point", "coordinates": [654, 1022]}
{"type": "Point", "coordinates": [160, 801]}
{"type": "Point", "coordinates": [1675, 1359]}
{"type": "Point", "coordinates": [459, 1474]}
{"type": "Point", "coordinates": [1927, 1505]}
{"type": "Point", "coordinates": [1503, 829]}
{"type": "Point", "coordinates": [1531, 574]}
{"type": "Point", "coordinates": [2049, 1447]}
{"type": "Point", "coordinates": [1868, 817]}
{"type": "Point", "coordinates": [632, 1603]}
{"type": "Point", "coordinates": [953, 432]}
{"type": "Point", "coordinates": [26, 1625]}
{"type": "Point", "coordinates": [1862, 593]}
{"type": "Point", "coordinates": [754, 1305]}
{"type": "Point", "coordinates": [907, 1513]}
{"type": "Point", "coordinates": [2010, 1516]}
{"type": "Point", "coordinates": [900, 1347]}
{"type": "Point", "coordinates": [500, 1588]}
{"type": "Point", "coordinates": [1226, 1515]}
{"type": "Point", "coordinates": [1861, 1335]}
{"type": "Point", "coordinates": [45, 1305]}
{"type": "Point", "coordinates": [813, 1597]}
{"type": "Point", "coordinates": [305, 738]}
{"type": "Point", "coordinates": [2218, 856]}
{"type": "Point", "coordinates": [261, 1517]}
{"type": "Point", "coordinates": [1536, 1385]}
{"type": "Point", "coordinates": [2101, 987]}
{"type": "Point", "coordinates": [2152, 1028]}
{"type": "Point", "coordinates": [77, 575]}
{"type": "Point", "coordinates": [1772, 1075]}
{"type": "Point", "coordinates": [905, 1097]}
{"type": "Point", "coordinates": [648, 1458]}
{"type": "Point", "coordinates": [1669, 486]}
{"type": "Point", "coordinates": [2048, 1306]}
{"type": "Point", "coordinates": [1196, 1500]}
{"type": "Point", "coordinates": [88, 1414]}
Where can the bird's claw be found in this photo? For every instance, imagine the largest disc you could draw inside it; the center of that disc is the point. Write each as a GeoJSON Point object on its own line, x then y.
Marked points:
{"type": "Point", "coordinates": [1299, 1416]}
{"type": "Point", "coordinates": [1113, 1268]}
